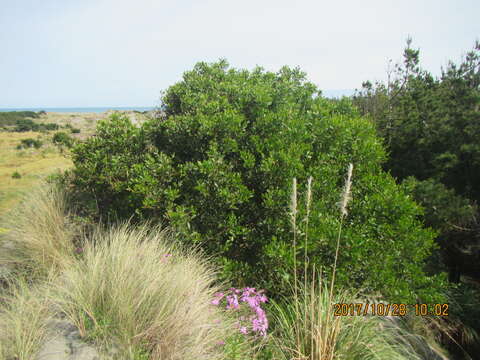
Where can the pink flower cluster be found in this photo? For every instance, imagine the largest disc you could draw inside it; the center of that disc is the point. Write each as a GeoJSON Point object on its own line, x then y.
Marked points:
{"type": "Point", "coordinates": [233, 299]}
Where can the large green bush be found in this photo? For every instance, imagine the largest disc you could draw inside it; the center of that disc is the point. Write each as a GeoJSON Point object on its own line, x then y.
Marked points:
{"type": "Point", "coordinates": [218, 166]}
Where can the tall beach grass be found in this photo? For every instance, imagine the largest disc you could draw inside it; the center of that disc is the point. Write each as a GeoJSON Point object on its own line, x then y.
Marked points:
{"type": "Point", "coordinates": [125, 286]}
{"type": "Point", "coordinates": [133, 285]}
{"type": "Point", "coordinates": [40, 237]}
{"type": "Point", "coordinates": [306, 327]}
{"type": "Point", "coordinates": [24, 312]}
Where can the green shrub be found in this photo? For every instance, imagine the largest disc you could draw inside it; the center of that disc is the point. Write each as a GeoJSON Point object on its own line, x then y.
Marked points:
{"type": "Point", "coordinates": [49, 126]}
{"type": "Point", "coordinates": [23, 125]}
{"type": "Point", "coordinates": [75, 131]}
{"type": "Point", "coordinates": [218, 166]}
{"type": "Point", "coordinates": [10, 118]}
{"type": "Point", "coordinates": [62, 138]}
{"type": "Point", "coordinates": [16, 175]}
{"type": "Point", "coordinates": [21, 121]}
{"type": "Point", "coordinates": [27, 143]}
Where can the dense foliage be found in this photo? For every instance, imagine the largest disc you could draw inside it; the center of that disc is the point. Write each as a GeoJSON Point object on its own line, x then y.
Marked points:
{"type": "Point", "coordinates": [432, 132]}
{"type": "Point", "coordinates": [21, 121]}
{"type": "Point", "coordinates": [431, 125]}
{"type": "Point", "coordinates": [218, 167]}
{"type": "Point", "coordinates": [11, 117]}
{"type": "Point", "coordinates": [431, 128]}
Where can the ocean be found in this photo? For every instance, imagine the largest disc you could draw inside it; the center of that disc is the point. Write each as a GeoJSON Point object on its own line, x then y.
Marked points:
{"type": "Point", "coordinates": [80, 109]}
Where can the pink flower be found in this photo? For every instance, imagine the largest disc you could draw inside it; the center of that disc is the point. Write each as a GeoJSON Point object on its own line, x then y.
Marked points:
{"type": "Point", "coordinates": [232, 302]}
{"type": "Point", "coordinates": [215, 301]}
{"type": "Point", "coordinates": [257, 322]}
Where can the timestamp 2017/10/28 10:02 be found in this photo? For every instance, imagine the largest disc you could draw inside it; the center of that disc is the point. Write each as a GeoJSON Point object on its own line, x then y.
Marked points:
{"type": "Point", "coordinates": [381, 309]}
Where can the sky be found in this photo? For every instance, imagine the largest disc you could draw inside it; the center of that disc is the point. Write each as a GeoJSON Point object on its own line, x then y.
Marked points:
{"type": "Point", "coordinates": [79, 53]}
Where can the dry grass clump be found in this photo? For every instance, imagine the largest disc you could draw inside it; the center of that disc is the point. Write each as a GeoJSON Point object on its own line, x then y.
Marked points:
{"type": "Point", "coordinates": [126, 286]}
{"type": "Point", "coordinates": [40, 238]}
{"type": "Point", "coordinates": [24, 313]}
{"type": "Point", "coordinates": [133, 285]}
{"type": "Point", "coordinates": [309, 330]}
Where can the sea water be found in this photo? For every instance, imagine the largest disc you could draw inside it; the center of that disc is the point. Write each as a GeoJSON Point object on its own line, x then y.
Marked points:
{"type": "Point", "coordinates": [81, 109]}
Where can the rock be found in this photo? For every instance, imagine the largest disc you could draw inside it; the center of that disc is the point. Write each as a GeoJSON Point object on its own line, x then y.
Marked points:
{"type": "Point", "coordinates": [65, 343]}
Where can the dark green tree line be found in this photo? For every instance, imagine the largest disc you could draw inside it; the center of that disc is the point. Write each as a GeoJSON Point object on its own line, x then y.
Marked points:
{"type": "Point", "coordinates": [431, 129]}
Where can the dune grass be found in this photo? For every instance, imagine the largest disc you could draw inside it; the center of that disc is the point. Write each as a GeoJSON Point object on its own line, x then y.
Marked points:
{"type": "Point", "coordinates": [133, 285]}
{"type": "Point", "coordinates": [40, 237]}
{"type": "Point", "coordinates": [24, 312]}
{"type": "Point", "coordinates": [310, 331]}
{"type": "Point", "coordinates": [123, 286]}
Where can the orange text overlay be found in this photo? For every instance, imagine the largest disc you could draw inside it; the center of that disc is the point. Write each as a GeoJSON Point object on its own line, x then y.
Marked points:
{"type": "Point", "coordinates": [381, 309]}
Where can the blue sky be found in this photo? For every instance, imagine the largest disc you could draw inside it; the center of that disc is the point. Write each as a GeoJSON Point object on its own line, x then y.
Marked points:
{"type": "Point", "coordinates": [61, 53]}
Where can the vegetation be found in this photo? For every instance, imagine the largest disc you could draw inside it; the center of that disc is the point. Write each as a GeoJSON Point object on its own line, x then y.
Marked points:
{"type": "Point", "coordinates": [24, 125]}
{"type": "Point", "coordinates": [96, 276]}
{"type": "Point", "coordinates": [72, 129]}
{"type": "Point", "coordinates": [431, 130]}
{"type": "Point", "coordinates": [62, 139]}
{"type": "Point", "coordinates": [96, 280]}
{"type": "Point", "coordinates": [217, 169]}
{"type": "Point", "coordinates": [12, 117]}
{"type": "Point", "coordinates": [29, 142]}
{"type": "Point", "coordinates": [23, 314]}
{"type": "Point", "coordinates": [16, 175]}
{"type": "Point", "coordinates": [33, 165]}
{"type": "Point", "coordinates": [308, 327]}
{"type": "Point", "coordinates": [22, 121]}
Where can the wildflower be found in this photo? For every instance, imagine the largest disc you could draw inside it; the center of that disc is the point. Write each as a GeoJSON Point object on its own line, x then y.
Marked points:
{"type": "Point", "coordinates": [257, 322]}
{"type": "Point", "coordinates": [218, 298]}
{"type": "Point", "coordinates": [232, 301]}
{"type": "Point", "coordinates": [215, 302]}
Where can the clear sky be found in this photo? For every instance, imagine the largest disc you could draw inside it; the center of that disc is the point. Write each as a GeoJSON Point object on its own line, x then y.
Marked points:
{"type": "Point", "coordinates": [61, 53]}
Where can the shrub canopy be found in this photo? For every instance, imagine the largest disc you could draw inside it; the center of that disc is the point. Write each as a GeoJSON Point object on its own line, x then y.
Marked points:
{"type": "Point", "coordinates": [218, 167]}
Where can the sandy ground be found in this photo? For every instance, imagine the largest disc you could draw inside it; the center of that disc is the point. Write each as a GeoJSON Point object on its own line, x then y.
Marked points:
{"type": "Point", "coordinates": [34, 165]}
